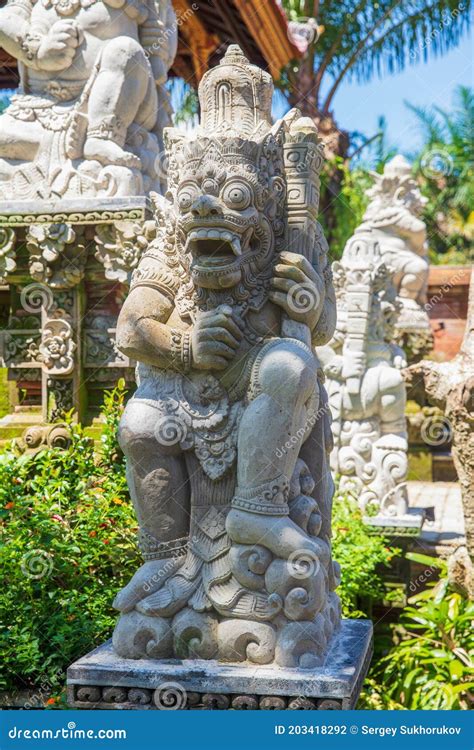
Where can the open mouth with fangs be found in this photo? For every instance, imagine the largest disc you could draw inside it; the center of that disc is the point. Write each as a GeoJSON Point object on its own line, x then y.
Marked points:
{"type": "Point", "coordinates": [217, 248]}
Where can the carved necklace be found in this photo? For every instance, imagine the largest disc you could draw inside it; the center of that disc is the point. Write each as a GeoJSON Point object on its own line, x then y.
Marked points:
{"type": "Point", "coordinates": [68, 7]}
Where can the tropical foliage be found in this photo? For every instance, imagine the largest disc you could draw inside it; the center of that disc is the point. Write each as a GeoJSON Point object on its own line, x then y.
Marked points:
{"type": "Point", "coordinates": [445, 167]}
{"type": "Point", "coordinates": [361, 38]}
{"type": "Point", "coordinates": [363, 558]}
{"type": "Point", "coordinates": [67, 543]}
{"type": "Point", "coordinates": [430, 664]}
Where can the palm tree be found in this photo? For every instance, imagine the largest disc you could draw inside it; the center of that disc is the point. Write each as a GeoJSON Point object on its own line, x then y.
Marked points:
{"type": "Point", "coordinates": [446, 170]}
{"type": "Point", "coordinates": [360, 38]}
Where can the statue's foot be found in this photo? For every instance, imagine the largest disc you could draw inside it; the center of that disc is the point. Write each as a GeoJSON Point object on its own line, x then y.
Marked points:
{"type": "Point", "coordinates": [147, 580]}
{"type": "Point", "coordinates": [107, 152]}
{"type": "Point", "coordinates": [279, 534]}
{"type": "Point", "coordinates": [171, 598]}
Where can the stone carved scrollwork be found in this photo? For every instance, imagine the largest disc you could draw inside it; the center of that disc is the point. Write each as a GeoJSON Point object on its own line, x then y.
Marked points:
{"type": "Point", "coordinates": [61, 395]}
{"type": "Point", "coordinates": [57, 254]}
{"type": "Point", "coordinates": [130, 698]}
{"type": "Point", "coordinates": [56, 350]}
{"type": "Point", "coordinates": [100, 349]}
{"type": "Point", "coordinates": [53, 346]}
{"type": "Point", "coordinates": [7, 252]}
{"type": "Point", "coordinates": [120, 247]}
{"type": "Point", "coordinates": [44, 437]}
{"type": "Point", "coordinates": [238, 563]}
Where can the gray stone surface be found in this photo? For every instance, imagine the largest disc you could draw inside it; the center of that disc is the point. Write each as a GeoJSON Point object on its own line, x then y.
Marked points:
{"type": "Point", "coordinates": [444, 528]}
{"type": "Point", "coordinates": [339, 679]}
{"type": "Point", "coordinates": [409, 524]}
{"type": "Point", "coordinates": [227, 435]}
{"type": "Point", "coordinates": [24, 213]}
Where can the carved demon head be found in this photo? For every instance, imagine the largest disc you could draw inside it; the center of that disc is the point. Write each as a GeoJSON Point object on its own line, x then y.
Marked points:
{"type": "Point", "coordinates": [225, 203]}
{"type": "Point", "coordinates": [226, 180]}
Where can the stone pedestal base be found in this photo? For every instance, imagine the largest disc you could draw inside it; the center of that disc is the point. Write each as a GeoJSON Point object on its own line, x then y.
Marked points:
{"type": "Point", "coordinates": [408, 525]}
{"type": "Point", "coordinates": [102, 680]}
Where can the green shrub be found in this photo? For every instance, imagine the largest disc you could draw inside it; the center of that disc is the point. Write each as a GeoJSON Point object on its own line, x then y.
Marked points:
{"type": "Point", "coordinates": [361, 556]}
{"type": "Point", "coordinates": [430, 664]}
{"type": "Point", "coordinates": [67, 544]}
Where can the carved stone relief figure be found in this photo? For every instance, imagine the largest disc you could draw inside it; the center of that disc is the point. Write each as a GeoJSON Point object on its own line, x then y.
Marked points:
{"type": "Point", "coordinates": [92, 104]}
{"type": "Point", "coordinates": [365, 382]}
{"type": "Point", "coordinates": [227, 437]}
{"type": "Point", "coordinates": [393, 220]}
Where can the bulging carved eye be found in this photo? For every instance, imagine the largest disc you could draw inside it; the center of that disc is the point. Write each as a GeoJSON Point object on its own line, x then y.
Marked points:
{"type": "Point", "coordinates": [186, 197]}
{"type": "Point", "coordinates": [237, 195]}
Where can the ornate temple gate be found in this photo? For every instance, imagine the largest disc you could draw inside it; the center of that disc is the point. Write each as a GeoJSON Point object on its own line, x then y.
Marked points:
{"type": "Point", "coordinates": [67, 271]}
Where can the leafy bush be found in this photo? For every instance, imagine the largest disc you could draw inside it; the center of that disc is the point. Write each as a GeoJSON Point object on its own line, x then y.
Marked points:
{"type": "Point", "coordinates": [67, 544]}
{"type": "Point", "coordinates": [361, 556]}
{"type": "Point", "coordinates": [430, 664]}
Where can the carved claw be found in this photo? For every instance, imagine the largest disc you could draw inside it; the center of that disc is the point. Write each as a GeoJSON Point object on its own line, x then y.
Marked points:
{"type": "Point", "coordinates": [148, 579]}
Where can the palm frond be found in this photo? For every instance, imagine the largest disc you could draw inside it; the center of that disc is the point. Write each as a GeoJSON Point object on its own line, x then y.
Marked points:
{"type": "Point", "coordinates": [432, 129]}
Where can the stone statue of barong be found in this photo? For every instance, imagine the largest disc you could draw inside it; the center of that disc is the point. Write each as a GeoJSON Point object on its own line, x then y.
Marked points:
{"type": "Point", "coordinates": [393, 219]}
{"type": "Point", "coordinates": [224, 312]}
{"type": "Point", "coordinates": [92, 103]}
{"type": "Point", "coordinates": [366, 388]}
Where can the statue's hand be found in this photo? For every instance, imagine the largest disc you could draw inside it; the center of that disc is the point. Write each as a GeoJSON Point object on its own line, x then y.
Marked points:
{"type": "Point", "coordinates": [298, 289]}
{"type": "Point", "coordinates": [215, 339]}
{"type": "Point", "coordinates": [58, 47]}
{"type": "Point", "coordinates": [354, 364]}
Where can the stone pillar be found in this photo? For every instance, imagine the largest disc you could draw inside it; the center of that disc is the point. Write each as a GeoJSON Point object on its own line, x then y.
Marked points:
{"type": "Point", "coordinates": [367, 391]}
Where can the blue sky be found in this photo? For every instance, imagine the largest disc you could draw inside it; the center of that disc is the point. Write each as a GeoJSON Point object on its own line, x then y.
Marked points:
{"type": "Point", "coordinates": [357, 107]}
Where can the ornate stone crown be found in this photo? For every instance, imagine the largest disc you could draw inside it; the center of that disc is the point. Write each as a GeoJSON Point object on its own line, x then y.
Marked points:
{"type": "Point", "coordinates": [235, 129]}
{"type": "Point", "coordinates": [236, 96]}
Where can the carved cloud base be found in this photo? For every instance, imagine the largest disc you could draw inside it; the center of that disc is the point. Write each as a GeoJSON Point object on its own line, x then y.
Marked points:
{"type": "Point", "coordinates": [102, 680]}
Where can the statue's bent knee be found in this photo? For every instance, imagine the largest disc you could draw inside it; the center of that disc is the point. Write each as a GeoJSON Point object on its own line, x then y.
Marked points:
{"type": "Point", "coordinates": [137, 430]}
{"type": "Point", "coordinates": [122, 51]}
{"type": "Point", "coordinates": [288, 369]}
